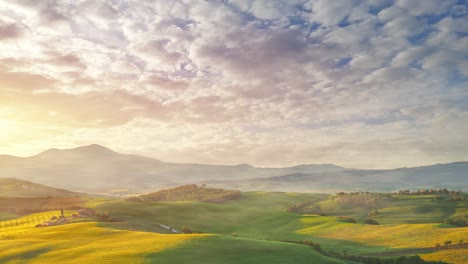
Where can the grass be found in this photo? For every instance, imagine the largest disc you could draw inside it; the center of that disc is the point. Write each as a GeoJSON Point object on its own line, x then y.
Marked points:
{"type": "Point", "coordinates": [85, 243]}
{"type": "Point", "coordinates": [259, 219]}
{"type": "Point", "coordinates": [275, 201]}
{"type": "Point", "coordinates": [88, 242]}
{"type": "Point", "coordinates": [393, 236]}
{"type": "Point", "coordinates": [452, 256]}
{"type": "Point", "coordinates": [7, 216]}
{"type": "Point", "coordinates": [29, 205]}
{"type": "Point", "coordinates": [401, 209]}
{"type": "Point", "coordinates": [222, 249]}
{"type": "Point", "coordinates": [262, 215]}
{"type": "Point", "coordinates": [204, 217]}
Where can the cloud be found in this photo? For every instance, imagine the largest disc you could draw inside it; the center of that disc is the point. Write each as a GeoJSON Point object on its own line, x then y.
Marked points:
{"type": "Point", "coordinates": [427, 7]}
{"type": "Point", "coordinates": [14, 81]}
{"type": "Point", "coordinates": [9, 31]}
{"type": "Point", "coordinates": [241, 79]}
{"type": "Point", "coordinates": [329, 13]}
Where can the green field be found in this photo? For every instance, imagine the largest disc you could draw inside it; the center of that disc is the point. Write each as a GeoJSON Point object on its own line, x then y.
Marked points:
{"type": "Point", "coordinates": [259, 220]}
{"type": "Point", "coordinates": [89, 242]}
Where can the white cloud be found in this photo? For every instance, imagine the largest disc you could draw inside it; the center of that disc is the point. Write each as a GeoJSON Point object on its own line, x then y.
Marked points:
{"type": "Point", "coordinates": [261, 78]}
{"type": "Point", "coordinates": [425, 7]}
{"type": "Point", "coordinates": [329, 13]}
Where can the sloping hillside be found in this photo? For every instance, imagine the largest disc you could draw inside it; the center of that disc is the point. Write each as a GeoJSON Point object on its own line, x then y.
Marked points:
{"type": "Point", "coordinates": [11, 187]}
{"type": "Point", "coordinates": [192, 193]}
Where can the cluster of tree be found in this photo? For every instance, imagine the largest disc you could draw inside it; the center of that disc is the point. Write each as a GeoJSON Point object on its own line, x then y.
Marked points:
{"type": "Point", "coordinates": [461, 222]}
{"type": "Point", "coordinates": [190, 193]}
{"type": "Point", "coordinates": [309, 207]}
{"type": "Point", "coordinates": [187, 230]}
{"type": "Point", "coordinates": [361, 199]}
{"type": "Point", "coordinates": [316, 246]}
{"type": "Point", "coordinates": [457, 195]}
{"type": "Point", "coordinates": [373, 213]}
{"type": "Point", "coordinates": [371, 221]}
{"type": "Point", "coordinates": [346, 219]}
{"type": "Point", "coordinates": [448, 244]}
{"type": "Point", "coordinates": [105, 217]}
{"type": "Point", "coordinates": [374, 260]}
{"type": "Point", "coordinates": [363, 259]}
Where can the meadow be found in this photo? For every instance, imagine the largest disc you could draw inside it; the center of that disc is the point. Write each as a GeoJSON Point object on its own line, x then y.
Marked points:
{"type": "Point", "coordinates": [251, 229]}
{"type": "Point", "coordinates": [261, 215]}
{"type": "Point", "coordinates": [90, 242]}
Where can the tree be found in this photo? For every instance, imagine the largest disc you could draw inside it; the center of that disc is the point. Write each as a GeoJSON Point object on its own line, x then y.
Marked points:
{"type": "Point", "coordinates": [186, 230]}
{"type": "Point", "coordinates": [104, 216]}
{"type": "Point", "coordinates": [370, 221]}
{"type": "Point", "coordinates": [447, 243]}
{"type": "Point", "coordinates": [373, 213]}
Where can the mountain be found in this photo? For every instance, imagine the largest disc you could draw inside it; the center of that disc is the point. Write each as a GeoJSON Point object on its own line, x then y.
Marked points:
{"type": "Point", "coordinates": [452, 176]}
{"type": "Point", "coordinates": [96, 169]}
{"type": "Point", "coordinates": [11, 187]}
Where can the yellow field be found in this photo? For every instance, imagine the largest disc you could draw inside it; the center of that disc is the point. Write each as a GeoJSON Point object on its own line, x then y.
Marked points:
{"type": "Point", "coordinates": [84, 242]}
{"type": "Point", "coordinates": [392, 236]}
{"type": "Point", "coordinates": [452, 255]}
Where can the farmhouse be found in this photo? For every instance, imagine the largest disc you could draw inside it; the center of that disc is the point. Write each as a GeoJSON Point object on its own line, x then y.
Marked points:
{"type": "Point", "coordinates": [85, 213]}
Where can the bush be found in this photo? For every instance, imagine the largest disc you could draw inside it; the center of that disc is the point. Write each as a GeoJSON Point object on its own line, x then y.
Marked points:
{"type": "Point", "coordinates": [370, 221]}
{"type": "Point", "coordinates": [346, 219]}
{"type": "Point", "coordinates": [133, 199]}
{"type": "Point", "coordinates": [186, 230]}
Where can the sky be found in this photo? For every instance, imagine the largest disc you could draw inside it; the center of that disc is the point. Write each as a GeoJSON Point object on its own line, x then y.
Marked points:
{"type": "Point", "coordinates": [362, 84]}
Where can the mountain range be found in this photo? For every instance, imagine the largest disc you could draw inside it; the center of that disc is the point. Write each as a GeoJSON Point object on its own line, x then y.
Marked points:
{"type": "Point", "coordinates": [96, 169]}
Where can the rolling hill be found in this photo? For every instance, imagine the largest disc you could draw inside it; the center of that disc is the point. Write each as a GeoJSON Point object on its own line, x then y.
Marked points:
{"type": "Point", "coordinates": [11, 187]}
{"type": "Point", "coordinates": [191, 192]}
{"type": "Point", "coordinates": [91, 242]}
{"type": "Point", "coordinates": [96, 169]}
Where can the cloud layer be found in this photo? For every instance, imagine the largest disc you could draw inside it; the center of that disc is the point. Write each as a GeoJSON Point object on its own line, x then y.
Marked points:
{"type": "Point", "coordinates": [376, 83]}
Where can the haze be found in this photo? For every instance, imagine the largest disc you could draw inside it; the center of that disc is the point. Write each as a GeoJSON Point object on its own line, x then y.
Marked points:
{"type": "Point", "coordinates": [374, 84]}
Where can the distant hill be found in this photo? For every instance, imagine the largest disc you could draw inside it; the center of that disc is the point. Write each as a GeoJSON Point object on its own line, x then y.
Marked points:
{"type": "Point", "coordinates": [96, 169]}
{"type": "Point", "coordinates": [452, 176]}
{"type": "Point", "coordinates": [192, 193]}
{"type": "Point", "coordinates": [11, 187]}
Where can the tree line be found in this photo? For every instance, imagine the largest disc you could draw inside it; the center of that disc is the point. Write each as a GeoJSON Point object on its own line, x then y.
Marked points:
{"type": "Point", "coordinates": [363, 259]}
